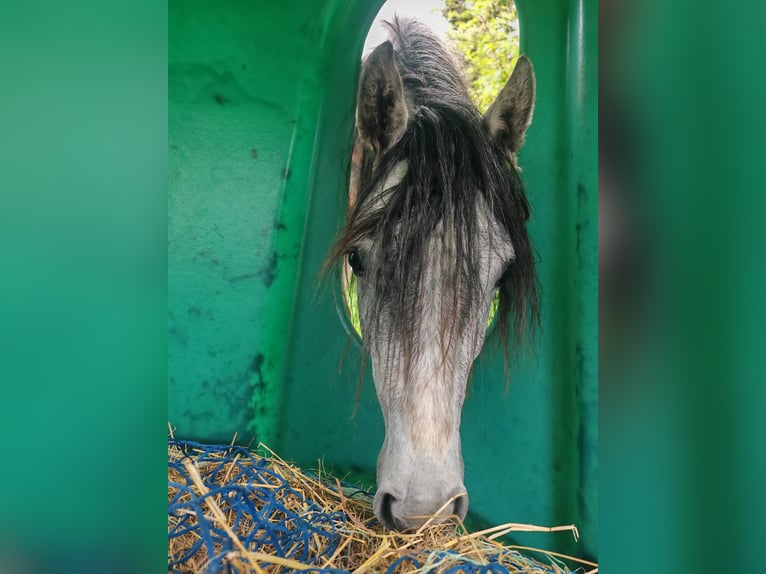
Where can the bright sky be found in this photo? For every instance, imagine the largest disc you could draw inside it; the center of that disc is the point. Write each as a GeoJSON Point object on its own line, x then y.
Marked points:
{"type": "Point", "coordinates": [427, 11]}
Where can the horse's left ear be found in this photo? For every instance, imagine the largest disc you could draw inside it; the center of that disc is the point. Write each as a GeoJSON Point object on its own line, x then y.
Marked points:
{"type": "Point", "coordinates": [509, 116]}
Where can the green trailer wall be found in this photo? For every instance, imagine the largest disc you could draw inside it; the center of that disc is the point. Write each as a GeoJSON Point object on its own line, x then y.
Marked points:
{"type": "Point", "coordinates": [260, 124]}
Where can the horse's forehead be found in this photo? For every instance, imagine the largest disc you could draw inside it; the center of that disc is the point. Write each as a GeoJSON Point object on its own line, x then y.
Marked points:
{"type": "Point", "coordinates": [493, 244]}
{"type": "Point", "coordinates": [492, 237]}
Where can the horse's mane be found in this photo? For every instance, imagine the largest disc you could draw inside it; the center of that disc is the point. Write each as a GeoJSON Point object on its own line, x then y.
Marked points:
{"type": "Point", "coordinates": [453, 166]}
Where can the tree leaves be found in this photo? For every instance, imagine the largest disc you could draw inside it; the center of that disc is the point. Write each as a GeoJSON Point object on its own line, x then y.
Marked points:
{"type": "Point", "coordinates": [487, 33]}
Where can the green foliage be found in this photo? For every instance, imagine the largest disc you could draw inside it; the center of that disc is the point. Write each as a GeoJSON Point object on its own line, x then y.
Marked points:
{"type": "Point", "coordinates": [487, 33]}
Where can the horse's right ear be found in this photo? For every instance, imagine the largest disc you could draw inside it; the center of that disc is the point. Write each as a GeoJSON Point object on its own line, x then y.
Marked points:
{"type": "Point", "coordinates": [509, 116]}
{"type": "Point", "coordinates": [381, 112]}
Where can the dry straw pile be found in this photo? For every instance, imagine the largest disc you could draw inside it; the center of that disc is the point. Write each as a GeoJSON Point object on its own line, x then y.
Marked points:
{"type": "Point", "coordinates": [231, 509]}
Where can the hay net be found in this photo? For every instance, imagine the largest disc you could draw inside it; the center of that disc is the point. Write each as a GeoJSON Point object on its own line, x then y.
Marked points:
{"type": "Point", "coordinates": [231, 510]}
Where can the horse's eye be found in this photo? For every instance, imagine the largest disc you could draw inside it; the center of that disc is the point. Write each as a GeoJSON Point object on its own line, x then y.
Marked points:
{"type": "Point", "coordinates": [355, 261]}
{"type": "Point", "coordinates": [505, 276]}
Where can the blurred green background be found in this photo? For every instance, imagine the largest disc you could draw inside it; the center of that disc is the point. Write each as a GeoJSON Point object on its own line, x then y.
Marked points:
{"type": "Point", "coordinates": [83, 187]}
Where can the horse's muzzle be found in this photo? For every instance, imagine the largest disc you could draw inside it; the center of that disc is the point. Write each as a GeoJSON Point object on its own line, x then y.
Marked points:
{"type": "Point", "coordinates": [409, 513]}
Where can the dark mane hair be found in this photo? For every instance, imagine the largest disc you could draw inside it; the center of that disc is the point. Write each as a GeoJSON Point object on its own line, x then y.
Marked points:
{"type": "Point", "coordinates": [453, 167]}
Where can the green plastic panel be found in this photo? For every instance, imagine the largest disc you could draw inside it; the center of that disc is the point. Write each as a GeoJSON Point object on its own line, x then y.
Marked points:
{"type": "Point", "coordinates": [260, 124]}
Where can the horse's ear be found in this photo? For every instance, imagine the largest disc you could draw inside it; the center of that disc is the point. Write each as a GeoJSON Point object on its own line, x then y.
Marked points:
{"type": "Point", "coordinates": [509, 116]}
{"type": "Point", "coordinates": [381, 112]}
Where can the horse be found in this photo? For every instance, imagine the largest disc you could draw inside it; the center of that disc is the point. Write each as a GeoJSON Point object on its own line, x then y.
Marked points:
{"type": "Point", "coordinates": [435, 243]}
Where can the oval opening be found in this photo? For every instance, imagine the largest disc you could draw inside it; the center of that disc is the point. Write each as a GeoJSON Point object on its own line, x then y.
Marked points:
{"type": "Point", "coordinates": [488, 66]}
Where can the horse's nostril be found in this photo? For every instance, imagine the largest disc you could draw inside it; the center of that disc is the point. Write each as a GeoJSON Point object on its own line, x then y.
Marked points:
{"type": "Point", "coordinates": [386, 515]}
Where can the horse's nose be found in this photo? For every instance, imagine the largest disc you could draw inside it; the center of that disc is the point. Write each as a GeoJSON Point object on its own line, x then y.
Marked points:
{"type": "Point", "coordinates": [399, 513]}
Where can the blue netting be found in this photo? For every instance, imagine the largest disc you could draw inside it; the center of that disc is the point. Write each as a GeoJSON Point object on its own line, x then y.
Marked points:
{"type": "Point", "coordinates": [252, 496]}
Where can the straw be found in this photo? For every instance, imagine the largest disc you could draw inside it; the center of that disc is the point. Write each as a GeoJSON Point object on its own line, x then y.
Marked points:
{"type": "Point", "coordinates": [235, 510]}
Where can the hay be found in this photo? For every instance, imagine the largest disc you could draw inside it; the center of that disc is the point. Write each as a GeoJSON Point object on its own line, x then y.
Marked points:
{"type": "Point", "coordinates": [233, 510]}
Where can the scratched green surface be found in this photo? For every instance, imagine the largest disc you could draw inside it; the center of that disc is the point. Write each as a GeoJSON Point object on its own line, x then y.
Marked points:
{"type": "Point", "coordinates": [261, 103]}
